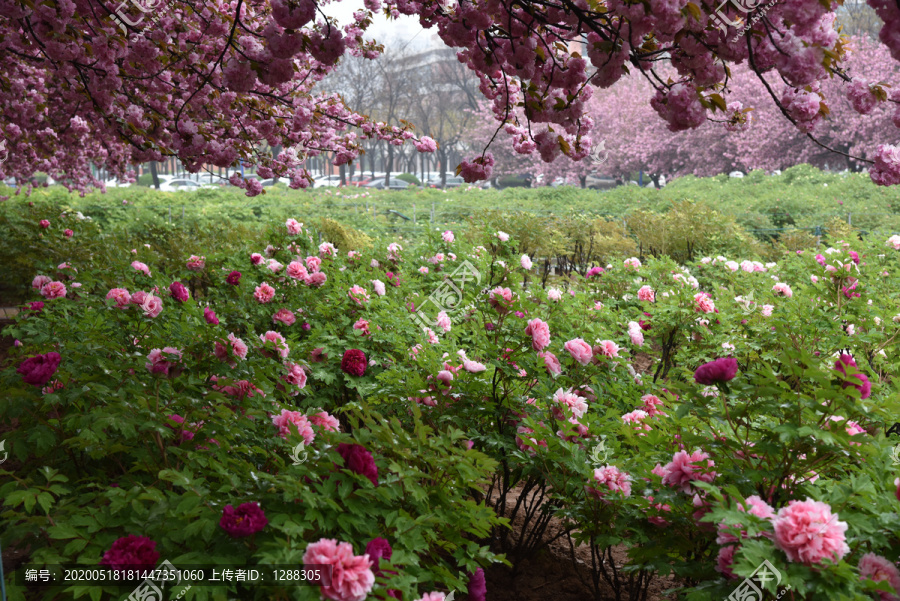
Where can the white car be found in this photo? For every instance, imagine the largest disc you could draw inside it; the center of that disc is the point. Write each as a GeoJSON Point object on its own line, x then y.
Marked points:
{"type": "Point", "coordinates": [182, 185]}
{"type": "Point", "coordinates": [327, 181]}
{"type": "Point", "coordinates": [736, 174]}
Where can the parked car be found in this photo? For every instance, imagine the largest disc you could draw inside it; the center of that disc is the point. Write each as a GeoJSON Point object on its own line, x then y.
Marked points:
{"type": "Point", "coordinates": [453, 181]}
{"type": "Point", "coordinates": [327, 181]}
{"type": "Point", "coordinates": [378, 184]}
{"type": "Point", "coordinates": [600, 182]}
{"type": "Point", "coordinates": [182, 185]}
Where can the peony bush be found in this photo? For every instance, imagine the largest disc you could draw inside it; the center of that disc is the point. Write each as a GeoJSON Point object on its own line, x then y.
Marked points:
{"type": "Point", "coordinates": [703, 417]}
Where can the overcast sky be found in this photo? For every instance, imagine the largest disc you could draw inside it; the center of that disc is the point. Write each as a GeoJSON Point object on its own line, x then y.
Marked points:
{"type": "Point", "coordinates": [394, 33]}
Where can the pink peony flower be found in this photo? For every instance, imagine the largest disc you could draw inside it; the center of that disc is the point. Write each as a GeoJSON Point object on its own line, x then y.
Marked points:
{"type": "Point", "coordinates": [359, 460]}
{"type": "Point", "coordinates": [326, 421]}
{"type": "Point", "coordinates": [245, 520]}
{"type": "Point", "coordinates": [580, 350]}
{"type": "Point", "coordinates": [703, 303]}
{"type": "Point", "coordinates": [646, 293]}
{"type": "Point", "coordinates": [608, 348]}
{"type": "Point", "coordinates": [359, 295]}
{"type": "Point", "coordinates": [551, 363]}
{"type": "Point", "coordinates": [725, 560]}
{"type": "Point", "coordinates": [285, 316]}
{"type": "Point", "coordinates": [195, 263]}
{"type": "Point", "coordinates": [313, 264]}
{"type": "Point", "coordinates": [684, 469]}
{"type": "Point", "coordinates": [131, 551]}
{"type": "Point", "coordinates": [264, 293]}
{"type": "Point", "coordinates": [528, 444]}
{"type": "Point", "coordinates": [233, 347]}
{"type": "Point", "coordinates": [39, 281]}
{"type": "Point", "coordinates": [351, 576]}
{"type": "Point", "coordinates": [448, 237]}
{"type": "Point", "coordinates": [44, 223]}
{"type": "Point", "coordinates": [525, 262]}
{"type": "Point", "coordinates": [612, 478]}
{"type": "Point", "coordinates": [293, 227]}
{"type": "Point", "coordinates": [121, 296]}
{"type": "Point", "coordinates": [503, 236]}
{"type": "Point", "coordinates": [297, 270]}
{"type": "Point", "coordinates": [38, 370]}
{"type": "Point", "coordinates": [300, 423]}
{"type": "Point", "coordinates": [316, 279]}
{"type": "Point", "coordinates": [296, 375]}
{"type": "Point", "coordinates": [256, 258]}
{"type": "Point", "coordinates": [473, 367]}
{"type": "Point", "coordinates": [152, 305]}
{"type": "Point", "coordinates": [878, 569]}
{"type": "Point", "coordinates": [362, 324]}
{"type": "Point", "coordinates": [809, 533]}
{"type": "Point", "coordinates": [782, 289]}
{"type": "Point", "coordinates": [554, 294]}
{"type": "Point", "coordinates": [540, 334]}
{"type": "Point", "coordinates": [274, 339]}
{"type": "Point", "coordinates": [142, 267]}
{"type": "Point", "coordinates": [500, 299]}
{"type": "Point", "coordinates": [68, 233]}
{"type": "Point", "coordinates": [651, 402]}
{"type": "Point", "coordinates": [53, 290]}
{"type": "Point", "coordinates": [378, 286]}
{"type": "Point", "coordinates": [160, 361]}
{"type": "Point", "coordinates": [632, 263]}
{"type": "Point", "coordinates": [570, 401]}
{"type": "Point", "coordinates": [443, 321]}
{"type": "Point", "coordinates": [720, 370]}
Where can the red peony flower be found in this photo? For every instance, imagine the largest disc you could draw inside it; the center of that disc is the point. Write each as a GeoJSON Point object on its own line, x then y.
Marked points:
{"type": "Point", "coordinates": [720, 370]}
{"type": "Point", "coordinates": [247, 519]}
{"type": "Point", "coordinates": [354, 362]}
{"type": "Point", "coordinates": [378, 549]}
{"type": "Point", "coordinates": [234, 278]}
{"type": "Point", "coordinates": [38, 370]}
{"type": "Point", "coordinates": [131, 551]}
{"type": "Point", "coordinates": [359, 460]}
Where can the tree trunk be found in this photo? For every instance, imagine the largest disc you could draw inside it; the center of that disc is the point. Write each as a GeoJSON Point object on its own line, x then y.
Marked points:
{"type": "Point", "coordinates": [583, 180]}
{"type": "Point", "coordinates": [154, 174]}
{"type": "Point", "coordinates": [442, 154]}
{"type": "Point", "coordinates": [390, 167]}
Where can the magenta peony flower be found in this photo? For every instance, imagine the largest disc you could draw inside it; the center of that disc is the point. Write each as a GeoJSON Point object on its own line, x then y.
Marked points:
{"type": "Point", "coordinates": [68, 233]}
{"type": "Point", "coordinates": [580, 350]}
{"type": "Point", "coordinates": [45, 223]}
{"type": "Point", "coordinates": [38, 370]}
{"type": "Point", "coordinates": [256, 258]}
{"type": "Point", "coordinates": [160, 361]}
{"type": "Point", "coordinates": [864, 387]}
{"type": "Point", "coordinates": [359, 460]}
{"type": "Point", "coordinates": [877, 568]}
{"type": "Point", "coordinates": [897, 484]}
{"type": "Point", "coordinates": [379, 549]}
{"type": "Point", "coordinates": [36, 306]}
{"type": "Point", "coordinates": [351, 575]}
{"type": "Point", "coordinates": [477, 589]}
{"type": "Point", "coordinates": [354, 362]}
{"type": "Point", "coordinates": [210, 316]}
{"type": "Point", "coordinates": [247, 519]}
{"type": "Point", "coordinates": [131, 551]}
{"type": "Point", "coordinates": [234, 278]}
{"type": "Point", "coordinates": [808, 532]}
{"type": "Point", "coordinates": [179, 292]}
{"type": "Point", "coordinates": [720, 370]}
{"type": "Point", "coordinates": [540, 334]}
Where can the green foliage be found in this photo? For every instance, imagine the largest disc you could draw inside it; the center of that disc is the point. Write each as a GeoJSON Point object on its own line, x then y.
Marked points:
{"type": "Point", "coordinates": [409, 178]}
